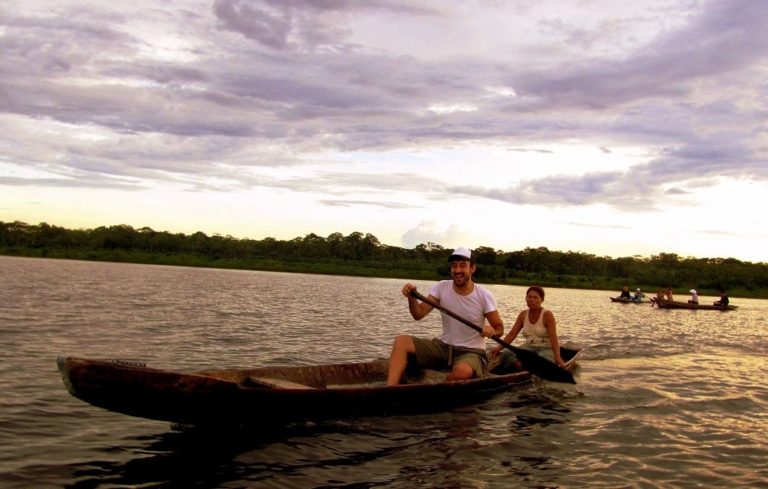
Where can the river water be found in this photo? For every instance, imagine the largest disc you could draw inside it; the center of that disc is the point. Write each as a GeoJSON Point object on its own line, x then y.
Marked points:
{"type": "Point", "coordinates": [670, 398]}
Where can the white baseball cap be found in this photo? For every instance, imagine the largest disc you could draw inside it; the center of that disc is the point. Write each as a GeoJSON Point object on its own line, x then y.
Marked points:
{"type": "Point", "coordinates": [692, 291]}
{"type": "Point", "coordinates": [460, 254]}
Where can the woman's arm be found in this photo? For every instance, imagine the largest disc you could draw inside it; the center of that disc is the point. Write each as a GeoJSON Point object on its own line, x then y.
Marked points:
{"type": "Point", "coordinates": [510, 337]}
{"type": "Point", "coordinates": [551, 325]}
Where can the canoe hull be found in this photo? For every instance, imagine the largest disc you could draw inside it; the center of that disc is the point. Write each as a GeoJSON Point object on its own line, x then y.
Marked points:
{"type": "Point", "coordinates": [667, 304]}
{"type": "Point", "coordinates": [238, 396]}
{"type": "Point", "coordinates": [628, 301]}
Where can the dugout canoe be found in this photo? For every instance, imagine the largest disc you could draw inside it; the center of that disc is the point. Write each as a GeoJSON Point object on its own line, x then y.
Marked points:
{"type": "Point", "coordinates": [667, 304]}
{"type": "Point", "coordinates": [275, 394]}
{"type": "Point", "coordinates": [628, 301]}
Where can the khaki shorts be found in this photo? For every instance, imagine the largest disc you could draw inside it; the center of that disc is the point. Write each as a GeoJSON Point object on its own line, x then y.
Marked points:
{"type": "Point", "coordinates": [507, 359]}
{"type": "Point", "coordinates": [438, 355]}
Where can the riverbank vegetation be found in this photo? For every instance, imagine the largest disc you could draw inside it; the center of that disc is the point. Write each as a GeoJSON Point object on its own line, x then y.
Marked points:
{"type": "Point", "coordinates": [361, 254]}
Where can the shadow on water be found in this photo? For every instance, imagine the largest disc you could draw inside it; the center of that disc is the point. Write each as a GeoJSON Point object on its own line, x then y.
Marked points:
{"type": "Point", "coordinates": [190, 457]}
{"type": "Point", "coordinates": [441, 449]}
{"type": "Point", "coordinates": [208, 457]}
{"type": "Point", "coordinates": [536, 410]}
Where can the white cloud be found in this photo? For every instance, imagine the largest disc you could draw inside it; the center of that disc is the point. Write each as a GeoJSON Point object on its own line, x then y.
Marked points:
{"type": "Point", "coordinates": [432, 232]}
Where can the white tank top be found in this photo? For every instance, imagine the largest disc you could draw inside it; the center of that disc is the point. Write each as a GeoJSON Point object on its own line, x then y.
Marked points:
{"type": "Point", "coordinates": [535, 334]}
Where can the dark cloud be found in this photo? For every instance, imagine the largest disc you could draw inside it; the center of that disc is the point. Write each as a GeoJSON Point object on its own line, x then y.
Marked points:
{"type": "Point", "coordinates": [301, 24]}
{"type": "Point", "coordinates": [723, 38]}
{"type": "Point", "coordinates": [266, 83]}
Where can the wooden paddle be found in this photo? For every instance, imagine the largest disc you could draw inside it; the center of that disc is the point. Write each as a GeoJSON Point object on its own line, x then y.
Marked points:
{"type": "Point", "coordinates": [534, 363]}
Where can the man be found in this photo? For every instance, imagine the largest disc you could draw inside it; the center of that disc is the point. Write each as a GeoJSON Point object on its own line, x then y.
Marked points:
{"type": "Point", "coordinates": [724, 301]}
{"type": "Point", "coordinates": [694, 297]}
{"type": "Point", "coordinates": [639, 296]}
{"type": "Point", "coordinates": [625, 293]}
{"type": "Point", "coordinates": [460, 348]}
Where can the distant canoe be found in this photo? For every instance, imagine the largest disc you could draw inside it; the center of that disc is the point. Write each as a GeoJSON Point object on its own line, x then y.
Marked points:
{"type": "Point", "coordinates": [275, 394]}
{"type": "Point", "coordinates": [628, 301]}
{"type": "Point", "coordinates": [667, 304]}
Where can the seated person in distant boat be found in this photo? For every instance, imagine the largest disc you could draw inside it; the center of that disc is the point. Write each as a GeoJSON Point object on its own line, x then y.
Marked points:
{"type": "Point", "coordinates": [668, 294]}
{"type": "Point", "coordinates": [694, 297]}
{"type": "Point", "coordinates": [539, 330]}
{"type": "Point", "coordinates": [625, 293]}
{"type": "Point", "coordinates": [723, 301]}
{"type": "Point", "coordinates": [638, 295]}
{"type": "Point", "coordinates": [459, 349]}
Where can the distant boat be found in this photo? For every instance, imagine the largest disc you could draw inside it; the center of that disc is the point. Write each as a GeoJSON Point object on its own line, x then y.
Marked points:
{"type": "Point", "coordinates": [276, 394]}
{"type": "Point", "coordinates": [667, 304]}
{"type": "Point", "coordinates": [629, 301]}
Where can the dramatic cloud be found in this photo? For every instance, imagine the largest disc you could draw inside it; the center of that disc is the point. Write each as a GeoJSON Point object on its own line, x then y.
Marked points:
{"type": "Point", "coordinates": [344, 102]}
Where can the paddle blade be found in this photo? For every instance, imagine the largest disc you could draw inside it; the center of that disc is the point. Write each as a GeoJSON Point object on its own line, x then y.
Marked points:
{"type": "Point", "coordinates": [541, 367]}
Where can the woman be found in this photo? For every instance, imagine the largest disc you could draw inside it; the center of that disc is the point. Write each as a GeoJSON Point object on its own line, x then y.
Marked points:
{"type": "Point", "coordinates": [539, 329]}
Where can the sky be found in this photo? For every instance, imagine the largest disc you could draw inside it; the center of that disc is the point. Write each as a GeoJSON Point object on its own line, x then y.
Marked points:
{"type": "Point", "coordinates": [610, 128]}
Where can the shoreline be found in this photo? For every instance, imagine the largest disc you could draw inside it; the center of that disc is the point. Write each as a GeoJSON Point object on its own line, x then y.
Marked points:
{"type": "Point", "coordinates": [341, 268]}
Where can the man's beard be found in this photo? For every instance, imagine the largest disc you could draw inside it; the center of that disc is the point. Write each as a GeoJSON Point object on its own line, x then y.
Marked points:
{"type": "Point", "coordinates": [460, 278]}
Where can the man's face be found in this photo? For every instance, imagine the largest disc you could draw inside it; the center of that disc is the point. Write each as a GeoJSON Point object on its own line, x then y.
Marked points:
{"type": "Point", "coordinates": [461, 272]}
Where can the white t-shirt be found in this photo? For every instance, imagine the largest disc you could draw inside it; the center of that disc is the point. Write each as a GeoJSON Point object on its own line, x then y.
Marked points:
{"type": "Point", "coordinates": [472, 307]}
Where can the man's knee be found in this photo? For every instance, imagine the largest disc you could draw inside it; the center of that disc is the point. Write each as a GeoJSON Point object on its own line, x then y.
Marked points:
{"type": "Point", "coordinates": [404, 343]}
{"type": "Point", "coordinates": [461, 371]}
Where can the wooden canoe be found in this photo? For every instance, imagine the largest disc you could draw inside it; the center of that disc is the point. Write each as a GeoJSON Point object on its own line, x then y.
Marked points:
{"type": "Point", "coordinates": [667, 304]}
{"type": "Point", "coordinates": [275, 394]}
{"type": "Point", "coordinates": [628, 301]}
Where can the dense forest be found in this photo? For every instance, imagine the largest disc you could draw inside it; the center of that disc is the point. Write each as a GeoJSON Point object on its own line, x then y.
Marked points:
{"type": "Point", "coordinates": [363, 255]}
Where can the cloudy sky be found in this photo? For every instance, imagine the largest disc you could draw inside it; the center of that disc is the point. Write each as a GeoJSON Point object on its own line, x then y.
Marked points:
{"type": "Point", "coordinates": [613, 128]}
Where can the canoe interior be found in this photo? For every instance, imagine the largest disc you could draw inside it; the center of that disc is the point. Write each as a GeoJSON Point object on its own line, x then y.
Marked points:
{"type": "Point", "coordinates": [338, 376]}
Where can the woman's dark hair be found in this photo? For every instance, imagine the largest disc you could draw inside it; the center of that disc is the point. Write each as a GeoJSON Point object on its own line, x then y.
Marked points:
{"type": "Point", "coordinates": [536, 289]}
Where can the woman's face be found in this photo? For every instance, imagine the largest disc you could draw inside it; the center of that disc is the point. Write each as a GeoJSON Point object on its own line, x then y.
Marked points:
{"type": "Point", "coordinates": [533, 300]}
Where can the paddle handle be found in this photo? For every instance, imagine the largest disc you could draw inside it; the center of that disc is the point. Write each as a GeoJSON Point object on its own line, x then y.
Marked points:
{"type": "Point", "coordinates": [455, 316]}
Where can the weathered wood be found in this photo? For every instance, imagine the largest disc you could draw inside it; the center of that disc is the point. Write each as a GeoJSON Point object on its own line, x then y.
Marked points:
{"type": "Point", "coordinates": [276, 394]}
{"type": "Point", "coordinates": [276, 383]}
{"type": "Point", "coordinates": [629, 301]}
{"type": "Point", "coordinates": [667, 304]}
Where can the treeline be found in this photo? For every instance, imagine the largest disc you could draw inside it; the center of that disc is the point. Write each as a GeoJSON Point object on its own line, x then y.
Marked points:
{"type": "Point", "coordinates": [363, 254]}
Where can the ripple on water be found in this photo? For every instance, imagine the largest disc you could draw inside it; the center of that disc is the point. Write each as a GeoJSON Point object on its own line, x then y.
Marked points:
{"type": "Point", "coordinates": [665, 398]}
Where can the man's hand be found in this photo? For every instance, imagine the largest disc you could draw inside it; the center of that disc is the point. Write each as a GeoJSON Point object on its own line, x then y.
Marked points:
{"type": "Point", "coordinates": [407, 289]}
{"type": "Point", "coordinates": [488, 330]}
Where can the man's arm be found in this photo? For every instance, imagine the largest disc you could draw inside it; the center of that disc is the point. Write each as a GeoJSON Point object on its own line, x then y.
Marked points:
{"type": "Point", "coordinates": [417, 308]}
{"type": "Point", "coordinates": [495, 322]}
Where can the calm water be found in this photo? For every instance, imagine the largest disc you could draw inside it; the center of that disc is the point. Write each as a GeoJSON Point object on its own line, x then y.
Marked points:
{"type": "Point", "coordinates": [665, 397]}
